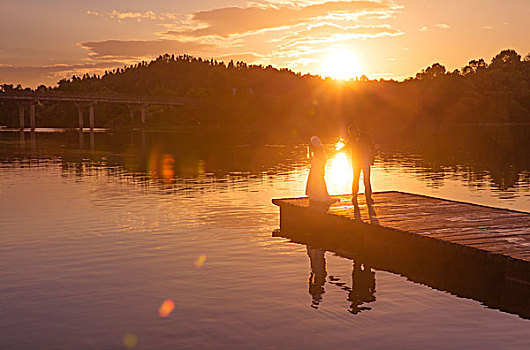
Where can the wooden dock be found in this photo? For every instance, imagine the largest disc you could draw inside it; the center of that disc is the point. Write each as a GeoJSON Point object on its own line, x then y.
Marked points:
{"type": "Point", "coordinates": [470, 250]}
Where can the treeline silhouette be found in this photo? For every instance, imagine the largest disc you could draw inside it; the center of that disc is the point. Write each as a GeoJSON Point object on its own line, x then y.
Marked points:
{"type": "Point", "coordinates": [278, 104]}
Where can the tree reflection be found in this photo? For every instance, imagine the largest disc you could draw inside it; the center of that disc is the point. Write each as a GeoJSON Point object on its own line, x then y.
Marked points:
{"type": "Point", "coordinates": [481, 159]}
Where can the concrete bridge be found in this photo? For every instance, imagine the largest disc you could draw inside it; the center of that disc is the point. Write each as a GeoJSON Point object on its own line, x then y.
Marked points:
{"type": "Point", "coordinates": [30, 99]}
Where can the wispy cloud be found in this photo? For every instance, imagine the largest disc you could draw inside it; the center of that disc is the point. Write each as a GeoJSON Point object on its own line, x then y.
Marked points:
{"type": "Point", "coordinates": [136, 16]}
{"type": "Point", "coordinates": [329, 32]}
{"type": "Point", "coordinates": [436, 26]}
{"type": "Point", "coordinates": [136, 49]}
{"type": "Point", "coordinates": [239, 20]}
{"type": "Point", "coordinates": [245, 57]}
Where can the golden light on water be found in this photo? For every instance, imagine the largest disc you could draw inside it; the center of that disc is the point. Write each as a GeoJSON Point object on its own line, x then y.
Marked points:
{"type": "Point", "coordinates": [341, 64]}
{"type": "Point", "coordinates": [166, 308]}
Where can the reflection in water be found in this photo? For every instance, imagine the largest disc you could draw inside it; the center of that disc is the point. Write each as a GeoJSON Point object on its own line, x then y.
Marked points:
{"type": "Point", "coordinates": [495, 282]}
{"type": "Point", "coordinates": [361, 292]}
{"type": "Point", "coordinates": [317, 277]}
{"type": "Point", "coordinates": [212, 153]}
{"type": "Point", "coordinates": [143, 142]}
{"type": "Point", "coordinates": [108, 242]}
{"type": "Point", "coordinates": [22, 139]}
{"type": "Point", "coordinates": [223, 153]}
{"type": "Point", "coordinates": [33, 142]}
{"type": "Point", "coordinates": [92, 141]}
{"type": "Point", "coordinates": [363, 287]}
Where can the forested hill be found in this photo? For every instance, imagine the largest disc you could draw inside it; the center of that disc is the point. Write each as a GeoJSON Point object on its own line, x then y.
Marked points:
{"type": "Point", "coordinates": [280, 102]}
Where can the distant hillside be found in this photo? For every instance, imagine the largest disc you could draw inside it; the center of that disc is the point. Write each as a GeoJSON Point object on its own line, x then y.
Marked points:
{"type": "Point", "coordinates": [277, 103]}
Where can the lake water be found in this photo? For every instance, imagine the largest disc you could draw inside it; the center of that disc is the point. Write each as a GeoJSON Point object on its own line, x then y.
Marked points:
{"type": "Point", "coordinates": [165, 241]}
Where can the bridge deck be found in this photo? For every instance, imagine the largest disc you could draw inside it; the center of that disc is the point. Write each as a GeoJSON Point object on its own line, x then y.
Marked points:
{"type": "Point", "coordinates": [491, 230]}
{"type": "Point", "coordinates": [93, 99]}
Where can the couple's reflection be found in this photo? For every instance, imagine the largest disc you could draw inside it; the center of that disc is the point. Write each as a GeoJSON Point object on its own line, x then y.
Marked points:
{"type": "Point", "coordinates": [363, 287]}
{"type": "Point", "coordinates": [317, 277]}
{"type": "Point", "coordinates": [362, 290]}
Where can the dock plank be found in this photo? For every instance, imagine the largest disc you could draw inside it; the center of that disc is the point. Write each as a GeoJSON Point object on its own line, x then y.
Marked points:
{"type": "Point", "coordinates": [491, 230]}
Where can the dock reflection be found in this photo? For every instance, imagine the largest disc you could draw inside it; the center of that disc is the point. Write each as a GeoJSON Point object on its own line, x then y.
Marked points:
{"type": "Point", "coordinates": [488, 280]}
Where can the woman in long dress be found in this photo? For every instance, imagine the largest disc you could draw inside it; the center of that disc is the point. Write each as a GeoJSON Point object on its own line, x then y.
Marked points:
{"type": "Point", "coordinates": [316, 188]}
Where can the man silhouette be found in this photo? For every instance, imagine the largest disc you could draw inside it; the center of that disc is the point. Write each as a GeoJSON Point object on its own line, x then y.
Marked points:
{"type": "Point", "coordinates": [363, 152]}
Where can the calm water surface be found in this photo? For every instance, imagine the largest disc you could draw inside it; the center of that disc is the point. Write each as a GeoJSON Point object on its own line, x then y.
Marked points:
{"type": "Point", "coordinates": [96, 235]}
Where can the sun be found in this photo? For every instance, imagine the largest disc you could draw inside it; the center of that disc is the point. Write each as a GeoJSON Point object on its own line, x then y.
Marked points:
{"type": "Point", "coordinates": [341, 64]}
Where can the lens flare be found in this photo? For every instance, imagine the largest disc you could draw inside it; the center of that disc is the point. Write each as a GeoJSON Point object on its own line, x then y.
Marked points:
{"type": "Point", "coordinates": [168, 171]}
{"type": "Point", "coordinates": [200, 260]}
{"type": "Point", "coordinates": [166, 308]}
{"type": "Point", "coordinates": [130, 341]}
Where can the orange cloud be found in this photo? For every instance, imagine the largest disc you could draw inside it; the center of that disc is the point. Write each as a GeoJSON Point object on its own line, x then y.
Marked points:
{"type": "Point", "coordinates": [347, 32]}
{"type": "Point", "coordinates": [238, 20]}
{"type": "Point", "coordinates": [129, 49]}
{"type": "Point", "coordinates": [436, 26]}
{"type": "Point", "coordinates": [136, 16]}
{"type": "Point", "coordinates": [248, 57]}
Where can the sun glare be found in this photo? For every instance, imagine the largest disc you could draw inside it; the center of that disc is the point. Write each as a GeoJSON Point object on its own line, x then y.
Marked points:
{"type": "Point", "coordinates": [339, 175]}
{"type": "Point", "coordinates": [341, 64]}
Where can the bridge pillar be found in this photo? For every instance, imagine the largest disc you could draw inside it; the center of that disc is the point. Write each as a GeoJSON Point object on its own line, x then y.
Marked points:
{"type": "Point", "coordinates": [91, 117]}
{"type": "Point", "coordinates": [32, 115]}
{"type": "Point", "coordinates": [21, 116]}
{"type": "Point", "coordinates": [80, 117]}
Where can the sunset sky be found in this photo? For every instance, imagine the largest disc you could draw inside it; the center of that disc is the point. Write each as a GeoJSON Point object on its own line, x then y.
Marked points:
{"type": "Point", "coordinates": [44, 41]}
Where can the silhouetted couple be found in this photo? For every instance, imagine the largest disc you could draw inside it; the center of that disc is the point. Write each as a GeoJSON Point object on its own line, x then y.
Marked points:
{"type": "Point", "coordinates": [363, 153]}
